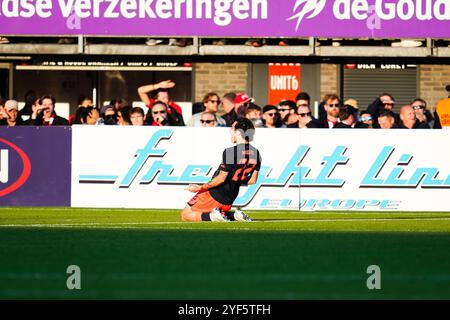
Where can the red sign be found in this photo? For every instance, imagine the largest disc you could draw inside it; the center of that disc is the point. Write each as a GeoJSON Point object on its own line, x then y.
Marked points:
{"type": "Point", "coordinates": [284, 81]}
{"type": "Point", "coordinates": [4, 162]}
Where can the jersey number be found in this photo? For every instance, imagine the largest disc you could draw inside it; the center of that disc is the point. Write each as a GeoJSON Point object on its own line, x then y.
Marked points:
{"type": "Point", "coordinates": [246, 166]}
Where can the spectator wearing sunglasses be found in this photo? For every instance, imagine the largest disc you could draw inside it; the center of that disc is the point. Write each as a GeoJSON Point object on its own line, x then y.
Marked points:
{"type": "Point", "coordinates": [331, 104]}
{"type": "Point", "coordinates": [208, 119]}
{"type": "Point", "coordinates": [409, 120]}
{"type": "Point", "coordinates": [366, 119]}
{"type": "Point", "coordinates": [288, 111]}
{"type": "Point", "coordinates": [109, 115]}
{"type": "Point", "coordinates": [272, 118]}
{"type": "Point", "coordinates": [384, 102]}
{"type": "Point", "coordinates": [151, 93]}
{"type": "Point", "coordinates": [211, 102]}
{"type": "Point", "coordinates": [303, 100]}
{"type": "Point", "coordinates": [157, 115]}
{"type": "Point", "coordinates": [422, 113]}
{"type": "Point", "coordinates": [305, 119]}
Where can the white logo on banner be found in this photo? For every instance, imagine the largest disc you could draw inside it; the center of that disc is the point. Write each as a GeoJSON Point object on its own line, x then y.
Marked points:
{"type": "Point", "coordinates": [4, 166]}
{"type": "Point", "coordinates": [313, 6]}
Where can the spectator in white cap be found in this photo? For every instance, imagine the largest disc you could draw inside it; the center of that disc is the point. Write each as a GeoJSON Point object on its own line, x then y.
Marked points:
{"type": "Point", "coordinates": [9, 114]}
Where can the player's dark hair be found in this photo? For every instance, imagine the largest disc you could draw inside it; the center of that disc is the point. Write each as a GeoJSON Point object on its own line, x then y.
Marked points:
{"type": "Point", "coordinates": [246, 128]}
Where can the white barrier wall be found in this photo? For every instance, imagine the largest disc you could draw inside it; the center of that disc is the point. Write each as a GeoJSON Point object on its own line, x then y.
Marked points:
{"type": "Point", "coordinates": [149, 167]}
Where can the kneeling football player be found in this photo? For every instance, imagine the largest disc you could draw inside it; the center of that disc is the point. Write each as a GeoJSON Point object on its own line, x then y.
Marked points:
{"type": "Point", "coordinates": [240, 166]}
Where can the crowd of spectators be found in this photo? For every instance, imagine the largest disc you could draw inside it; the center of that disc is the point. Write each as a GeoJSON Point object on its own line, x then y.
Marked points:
{"type": "Point", "coordinates": [160, 110]}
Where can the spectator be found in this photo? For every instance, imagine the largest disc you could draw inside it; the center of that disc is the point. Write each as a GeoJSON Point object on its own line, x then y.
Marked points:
{"type": "Point", "coordinates": [351, 102]}
{"type": "Point", "coordinates": [83, 102]}
{"type": "Point", "coordinates": [331, 103]}
{"type": "Point", "coordinates": [241, 103]}
{"type": "Point", "coordinates": [208, 119]}
{"type": "Point", "coordinates": [271, 117]}
{"type": "Point", "coordinates": [228, 106]}
{"type": "Point", "coordinates": [211, 103]}
{"type": "Point", "coordinates": [137, 116]}
{"type": "Point", "coordinates": [366, 118]}
{"type": "Point", "coordinates": [422, 113]}
{"type": "Point", "coordinates": [109, 115]}
{"type": "Point", "coordinates": [303, 100]}
{"type": "Point", "coordinates": [76, 118]}
{"type": "Point", "coordinates": [123, 116]}
{"type": "Point", "coordinates": [384, 101]}
{"type": "Point", "coordinates": [30, 99]}
{"type": "Point", "coordinates": [93, 116]}
{"type": "Point", "coordinates": [387, 101]}
{"type": "Point", "coordinates": [288, 111]}
{"type": "Point", "coordinates": [45, 115]}
{"type": "Point", "coordinates": [347, 118]}
{"type": "Point", "coordinates": [253, 113]}
{"type": "Point", "coordinates": [89, 115]}
{"type": "Point", "coordinates": [386, 119]}
{"type": "Point", "coordinates": [10, 114]}
{"type": "Point", "coordinates": [409, 121]}
{"type": "Point", "coordinates": [352, 106]}
{"type": "Point", "coordinates": [158, 115]}
{"type": "Point", "coordinates": [3, 114]}
{"type": "Point", "coordinates": [442, 113]}
{"type": "Point", "coordinates": [34, 109]}
{"type": "Point", "coordinates": [305, 118]}
{"type": "Point", "coordinates": [161, 93]}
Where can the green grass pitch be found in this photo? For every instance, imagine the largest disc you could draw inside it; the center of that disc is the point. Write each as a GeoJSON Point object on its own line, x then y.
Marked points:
{"type": "Point", "coordinates": [150, 254]}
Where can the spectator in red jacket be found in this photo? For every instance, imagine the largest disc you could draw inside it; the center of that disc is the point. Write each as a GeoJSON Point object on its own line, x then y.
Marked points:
{"type": "Point", "coordinates": [160, 92]}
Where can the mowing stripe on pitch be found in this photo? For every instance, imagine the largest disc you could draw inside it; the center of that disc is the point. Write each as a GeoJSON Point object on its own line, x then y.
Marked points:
{"type": "Point", "coordinates": [128, 224]}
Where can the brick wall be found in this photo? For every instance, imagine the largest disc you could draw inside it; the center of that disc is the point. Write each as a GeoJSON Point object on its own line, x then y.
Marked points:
{"type": "Point", "coordinates": [220, 78]}
{"type": "Point", "coordinates": [432, 82]}
{"type": "Point", "coordinates": [329, 79]}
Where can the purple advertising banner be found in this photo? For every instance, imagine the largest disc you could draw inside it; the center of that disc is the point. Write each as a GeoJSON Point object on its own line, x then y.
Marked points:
{"type": "Point", "coordinates": [35, 166]}
{"type": "Point", "coordinates": [270, 18]}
